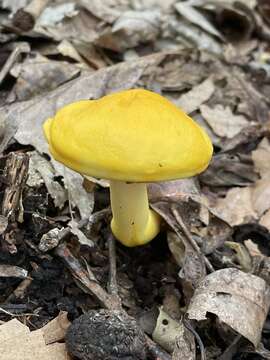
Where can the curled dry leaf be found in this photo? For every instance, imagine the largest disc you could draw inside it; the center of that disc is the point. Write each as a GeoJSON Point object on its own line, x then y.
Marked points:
{"type": "Point", "coordinates": [235, 21]}
{"type": "Point", "coordinates": [191, 35]}
{"type": "Point", "coordinates": [194, 16]}
{"type": "Point", "coordinates": [239, 300]}
{"type": "Point", "coordinates": [223, 121]}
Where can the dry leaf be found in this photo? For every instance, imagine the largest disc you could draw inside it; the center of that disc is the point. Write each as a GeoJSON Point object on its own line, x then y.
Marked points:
{"type": "Point", "coordinates": [18, 343]}
{"type": "Point", "coordinates": [83, 240]}
{"type": "Point", "coordinates": [229, 170]}
{"type": "Point", "coordinates": [265, 220]}
{"type": "Point", "coordinates": [136, 27]}
{"type": "Point", "coordinates": [240, 300]}
{"type": "Point", "coordinates": [12, 328]}
{"type": "Point", "coordinates": [13, 271]}
{"type": "Point", "coordinates": [190, 35]}
{"type": "Point", "coordinates": [261, 196]}
{"type": "Point", "coordinates": [223, 122]}
{"type": "Point", "coordinates": [261, 158]}
{"type": "Point", "coordinates": [51, 16]}
{"type": "Point", "coordinates": [236, 207]}
{"type": "Point", "coordinates": [194, 16]}
{"type": "Point", "coordinates": [105, 11]}
{"type": "Point", "coordinates": [37, 74]}
{"type": "Point", "coordinates": [45, 169]}
{"type": "Point", "coordinates": [56, 329]}
{"type": "Point", "coordinates": [194, 98]}
{"type": "Point", "coordinates": [169, 331]}
{"type": "Point", "coordinates": [14, 5]}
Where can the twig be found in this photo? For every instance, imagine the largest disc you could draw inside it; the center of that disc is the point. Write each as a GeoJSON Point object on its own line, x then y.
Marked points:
{"type": "Point", "coordinates": [196, 335]}
{"type": "Point", "coordinates": [86, 279]}
{"type": "Point", "coordinates": [25, 18]}
{"type": "Point", "coordinates": [112, 284]}
{"type": "Point", "coordinates": [16, 172]}
{"type": "Point", "coordinates": [19, 49]}
{"type": "Point", "coordinates": [192, 242]}
{"type": "Point", "coordinates": [16, 315]}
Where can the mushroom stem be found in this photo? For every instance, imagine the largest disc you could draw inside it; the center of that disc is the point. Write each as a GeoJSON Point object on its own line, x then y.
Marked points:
{"type": "Point", "coordinates": [133, 222]}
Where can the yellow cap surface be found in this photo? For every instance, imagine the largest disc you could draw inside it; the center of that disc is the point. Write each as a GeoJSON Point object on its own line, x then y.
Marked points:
{"type": "Point", "coordinates": [134, 135]}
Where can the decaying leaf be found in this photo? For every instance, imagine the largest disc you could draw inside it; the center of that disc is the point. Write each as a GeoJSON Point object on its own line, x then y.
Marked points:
{"type": "Point", "coordinates": [239, 300]}
{"type": "Point", "coordinates": [223, 121]}
{"type": "Point", "coordinates": [170, 333]}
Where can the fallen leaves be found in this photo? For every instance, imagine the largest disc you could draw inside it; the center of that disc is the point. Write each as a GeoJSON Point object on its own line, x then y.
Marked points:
{"type": "Point", "coordinates": [223, 121]}
{"type": "Point", "coordinates": [17, 342]}
{"type": "Point", "coordinates": [246, 296]}
{"type": "Point", "coordinates": [199, 94]}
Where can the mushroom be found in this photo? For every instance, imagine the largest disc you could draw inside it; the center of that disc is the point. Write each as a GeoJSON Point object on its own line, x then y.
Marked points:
{"type": "Point", "coordinates": [130, 138]}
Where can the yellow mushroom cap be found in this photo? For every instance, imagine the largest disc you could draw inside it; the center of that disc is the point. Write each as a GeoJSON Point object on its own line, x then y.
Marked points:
{"type": "Point", "coordinates": [134, 135]}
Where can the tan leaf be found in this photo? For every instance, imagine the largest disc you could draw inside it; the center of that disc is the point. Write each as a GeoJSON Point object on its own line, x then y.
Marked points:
{"type": "Point", "coordinates": [223, 122]}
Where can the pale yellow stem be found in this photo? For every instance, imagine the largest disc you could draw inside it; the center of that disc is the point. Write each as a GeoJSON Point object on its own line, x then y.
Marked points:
{"type": "Point", "coordinates": [133, 222]}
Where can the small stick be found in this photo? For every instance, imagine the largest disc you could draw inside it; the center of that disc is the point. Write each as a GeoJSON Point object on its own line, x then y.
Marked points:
{"type": "Point", "coordinates": [88, 280]}
{"type": "Point", "coordinates": [13, 57]}
{"type": "Point", "coordinates": [196, 335]}
{"type": "Point", "coordinates": [112, 284]}
{"type": "Point", "coordinates": [25, 18]}
{"type": "Point", "coordinates": [190, 238]}
{"type": "Point", "coordinates": [16, 172]}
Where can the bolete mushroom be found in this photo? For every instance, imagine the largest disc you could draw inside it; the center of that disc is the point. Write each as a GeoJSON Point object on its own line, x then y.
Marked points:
{"type": "Point", "coordinates": [130, 138]}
